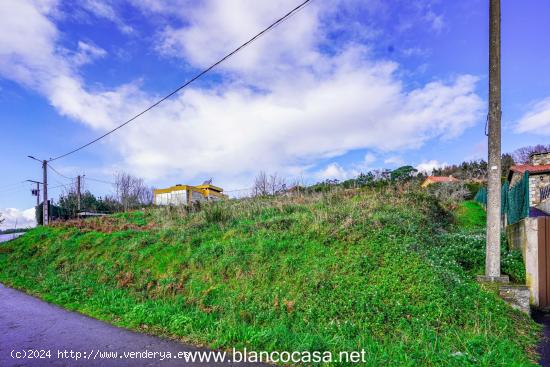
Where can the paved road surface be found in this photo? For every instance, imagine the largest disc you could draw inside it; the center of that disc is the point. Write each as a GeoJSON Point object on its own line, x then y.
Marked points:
{"type": "Point", "coordinates": [544, 345]}
{"type": "Point", "coordinates": [29, 323]}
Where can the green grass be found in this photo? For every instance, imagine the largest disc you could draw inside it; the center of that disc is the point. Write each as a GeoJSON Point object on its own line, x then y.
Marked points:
{"type": "Point", "coordinates": [471, 215]}
{"type": "Point", "coordinates": [466, 244]}
{"type": "Point", "coordinates": [342, 271]}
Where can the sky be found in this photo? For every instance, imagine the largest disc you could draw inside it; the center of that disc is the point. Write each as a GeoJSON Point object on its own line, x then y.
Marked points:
{"type": "Point", "coordinates": [341, 87]}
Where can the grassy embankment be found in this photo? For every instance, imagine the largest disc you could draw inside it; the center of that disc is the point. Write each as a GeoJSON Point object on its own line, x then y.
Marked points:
{"type": "Point", "coordinates": [384, 271]}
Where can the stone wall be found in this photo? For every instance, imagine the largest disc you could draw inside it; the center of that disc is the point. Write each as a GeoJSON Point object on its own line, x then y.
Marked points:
{"type": "Point", "coordinates": [537, 182]}
{"type": "Point", "coordinates": [516, 296]}
{"type": "Point", "coordinates": [541, 158]}
{"type": "Point", "coordinates": [523, 236]}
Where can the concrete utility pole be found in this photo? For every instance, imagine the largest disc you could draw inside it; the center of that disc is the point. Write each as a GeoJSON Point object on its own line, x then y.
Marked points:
{"type": "Point", "coordinates": [492, 259]}
{"type": "Point", "coordinates": [45, 209]}
{"type": "Point", "coordinates": [78, 192]}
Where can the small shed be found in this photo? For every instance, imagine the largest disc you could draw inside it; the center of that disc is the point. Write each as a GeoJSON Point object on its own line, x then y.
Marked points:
{"type": "Point", "coordinates": [186, 194]}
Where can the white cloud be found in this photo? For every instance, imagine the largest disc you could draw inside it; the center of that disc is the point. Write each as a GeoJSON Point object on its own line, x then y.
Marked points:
{"type": "Point", "coordinates": [369, 158]}
{"type": "Point", "coordinates": [436, 21]}
{"type": "Point", "coordinates": [311, 105]}
{"type": "Point", "coordinates": [428, 166]}
{"type": "Point", "coordinates": [17, 218]}
{"type": "Point", "coordinates": [394, 160]}
{"type": "Point", "coordinates": [223, 25]}
{"type": "Point", "coordinates": [537, 120]}
{"type": "Point", "coordinates": [87, 52]}
{"type": "Point", "coordinates": [336, 171]}
{"type": "Point", "coordinates": [103, 9]}
{"type": "Point", "coordinates": [333, 171]}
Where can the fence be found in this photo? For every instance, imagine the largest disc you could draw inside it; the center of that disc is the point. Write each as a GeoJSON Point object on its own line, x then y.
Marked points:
{"type": "Point", "coordinates": [544, 193]}
{"type": "Point", "coordinates": [514, 201]}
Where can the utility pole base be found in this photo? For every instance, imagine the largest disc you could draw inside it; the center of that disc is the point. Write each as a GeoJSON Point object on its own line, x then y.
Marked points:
{"type": "Point", "coordinates": [493, 279]}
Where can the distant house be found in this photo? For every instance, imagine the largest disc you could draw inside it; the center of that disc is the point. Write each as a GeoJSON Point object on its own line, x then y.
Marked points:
{"type": "Point", "coordinates": [438, 179]}
{"type": "Point", "coordinates": [186, 194]}
{"type": "Point", "coordinates": [538, 169]}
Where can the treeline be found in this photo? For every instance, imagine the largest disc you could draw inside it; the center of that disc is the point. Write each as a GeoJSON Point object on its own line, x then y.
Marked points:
{"type": "Point", "coordinates": [130, 192]}
{"type": "Point", "coordinates": [477, 169]}
{"type": "Point", "coordinates": [473, 170]}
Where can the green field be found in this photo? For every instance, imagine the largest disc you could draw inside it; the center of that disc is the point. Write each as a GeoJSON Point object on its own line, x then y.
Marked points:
{"type": "Point", "coordinates": [388, 270]}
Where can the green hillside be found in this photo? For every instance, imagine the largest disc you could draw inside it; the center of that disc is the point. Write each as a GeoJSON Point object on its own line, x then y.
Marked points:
{"type": "Point", "coordinates": [386, 270]}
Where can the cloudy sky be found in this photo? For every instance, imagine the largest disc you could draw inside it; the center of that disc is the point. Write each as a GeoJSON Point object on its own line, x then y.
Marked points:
{"type": "Point", "coordinates": [343, 86]}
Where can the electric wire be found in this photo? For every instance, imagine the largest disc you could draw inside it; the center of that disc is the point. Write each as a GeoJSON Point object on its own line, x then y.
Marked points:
{"type": "Point", "coordinates": [199, 75]}
{"type": "Point", "coordinates": [59, 173]}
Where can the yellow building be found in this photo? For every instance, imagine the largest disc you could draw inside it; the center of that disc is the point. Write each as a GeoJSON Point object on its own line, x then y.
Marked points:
{"type": "Point", "coordinates": [186, 194]}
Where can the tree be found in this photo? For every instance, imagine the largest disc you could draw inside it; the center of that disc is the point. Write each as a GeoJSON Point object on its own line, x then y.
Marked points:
{"type": "Point", "coordinates": [268, 184]}
{"type": "Point", "coordinates": [131, 191]}
{"type": "Point", "coordinates": [507, 161]}
{"type": "Point", "coordinates": [68, 203]}
{"type": "Point", "coordinates": [522, 155]}
{"type": "Point", "coordinates": [260, 187]}
{"type": "Point", "coordinates": [276, 184]}
{"type": "Point", "coordinates": [403, 173]}
{"type": "Point", "coordinates": [108, 204]}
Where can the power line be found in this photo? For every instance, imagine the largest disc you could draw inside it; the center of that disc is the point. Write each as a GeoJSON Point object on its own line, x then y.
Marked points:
{"type": "Point", "coordinates": [235, 190]}
{"type": "Point", "coordinates": [58, 186]}
{"type": "Point", "coordinates": [13, 189]}
{"type": "Point", "coordinates": [12, 185]}
{"type": "Point", "coordinates": [100, 181]}
{"type": "Point", "coordinates": [60, 174]}
{"type": "Point", "coordinates": [265, 30]}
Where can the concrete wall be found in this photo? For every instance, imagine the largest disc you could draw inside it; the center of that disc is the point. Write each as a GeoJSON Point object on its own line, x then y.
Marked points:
{"type": "Point", "coordinates": [523, 236]}
{"type": "Point", "coordinates": [171, 198]}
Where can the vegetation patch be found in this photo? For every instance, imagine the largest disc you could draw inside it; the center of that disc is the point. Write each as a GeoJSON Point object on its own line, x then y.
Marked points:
{"type": "Point", "coordinates": [384, 270]}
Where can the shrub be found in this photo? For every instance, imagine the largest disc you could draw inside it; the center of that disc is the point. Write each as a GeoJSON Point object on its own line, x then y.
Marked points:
{"type": "Point", "coordinates": [217, 212]}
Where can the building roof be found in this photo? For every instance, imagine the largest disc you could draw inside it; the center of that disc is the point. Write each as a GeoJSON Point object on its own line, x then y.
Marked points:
{"type": "Point", "coordinates": [180, 187]}
{"type": "Point", "coordinates": [442, 179]}
{"type": "Point", "coordinates": [522, 168]}
{"type": "Point", "coordinates": [210, 187]}
{"type": "Point", "coordinates": [438, 179]}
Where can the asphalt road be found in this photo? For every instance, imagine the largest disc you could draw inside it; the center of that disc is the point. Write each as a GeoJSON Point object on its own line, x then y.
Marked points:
{"type": "Point", "coordinates": [27, 323]}
{"type": "Point", "coordinates": [544, 345]}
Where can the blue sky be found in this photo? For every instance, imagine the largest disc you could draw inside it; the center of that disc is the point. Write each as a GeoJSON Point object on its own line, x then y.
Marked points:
{"type": "Point", "coordinates": [343, 86]}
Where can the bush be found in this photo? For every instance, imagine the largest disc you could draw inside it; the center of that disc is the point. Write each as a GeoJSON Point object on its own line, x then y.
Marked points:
{"type": "Point", "coordinates": [449, 194]}
{"type": "Point", "coordinates": [216, 212]}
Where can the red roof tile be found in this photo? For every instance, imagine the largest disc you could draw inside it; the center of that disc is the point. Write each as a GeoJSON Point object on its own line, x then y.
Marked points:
{"type": "Point", "coordinates": [442, 179]}
{"type": "Point", "coordinates": [521, 168]}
